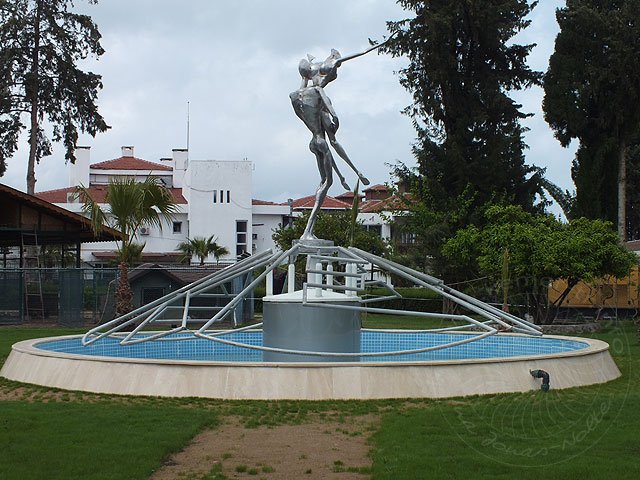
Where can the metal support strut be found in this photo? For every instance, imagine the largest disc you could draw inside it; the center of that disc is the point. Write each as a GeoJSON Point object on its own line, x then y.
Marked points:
{"type": "Point", "coordinates": [328, 269]}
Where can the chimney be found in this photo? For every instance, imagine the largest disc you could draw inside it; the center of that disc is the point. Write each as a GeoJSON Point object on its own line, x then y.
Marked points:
{"type": "Point", "coordinates": [180, 164]}
{"type": "Point", "coordinates": [127, 151]}
{"type": "Point", "coordinates": [79, 171]}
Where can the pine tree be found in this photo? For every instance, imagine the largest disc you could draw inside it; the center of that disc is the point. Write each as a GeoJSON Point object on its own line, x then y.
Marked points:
{"type": "Point", "coordinates": [41, 43]}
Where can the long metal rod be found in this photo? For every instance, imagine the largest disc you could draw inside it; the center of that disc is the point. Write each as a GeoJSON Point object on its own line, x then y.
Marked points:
{"type": "Point", "coordinates": [277, 259]}
{"type": "Point", "coordinates": [185, 312]}
{"type": "Point", "coordinates": [349, 354]}
{"type": "Point", "coordinates": [335, 273]}
{"type": "Point", "coordinates": [334, 286]}
{"type": "Point", "coordinates": [446, 316]}
{"type": "Point", "coordinates": [216, 278]}
{"type": "Point", "coordinates": [410, 274]}
{"type": "Point", "coordinates": [338, 259]}
{"type": "Point", "coordinates": [492, 308]}
{"type": "Point", "coordinates": [453, 294]}
{"type": "Point", "coordinates": [132, 341]}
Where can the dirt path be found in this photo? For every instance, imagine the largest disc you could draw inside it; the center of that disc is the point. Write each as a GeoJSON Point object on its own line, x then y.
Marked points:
{"type": "Point", "coordinates": [310, 451]}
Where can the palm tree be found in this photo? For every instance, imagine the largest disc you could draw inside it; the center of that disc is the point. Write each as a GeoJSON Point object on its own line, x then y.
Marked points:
{"type": "Point", "coordinates": [202, 247]}
{"type": "Point", "coordinates": [219, 251]}
{"type": "Point", "coordinates": [131, 205]}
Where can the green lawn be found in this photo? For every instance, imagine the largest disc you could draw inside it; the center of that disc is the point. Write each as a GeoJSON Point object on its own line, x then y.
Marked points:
{"type": "Point", "coordinates": [91, 441]}
{"type": "Point", "coordinates": [584, 433]}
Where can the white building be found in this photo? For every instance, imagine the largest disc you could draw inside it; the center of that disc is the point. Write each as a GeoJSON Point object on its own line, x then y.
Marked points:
{"type": "Point", "coordinates": [213, 198]}
{"type": "Point", "coordinates": [267, 216]}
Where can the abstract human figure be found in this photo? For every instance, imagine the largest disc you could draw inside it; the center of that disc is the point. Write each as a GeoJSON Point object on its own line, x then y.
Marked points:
{"type": "Point", "coordinates": [313, 107]}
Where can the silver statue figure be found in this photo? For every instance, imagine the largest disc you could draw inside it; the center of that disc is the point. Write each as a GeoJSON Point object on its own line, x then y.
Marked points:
{"type": "Point", "coordinates": [313, 107]}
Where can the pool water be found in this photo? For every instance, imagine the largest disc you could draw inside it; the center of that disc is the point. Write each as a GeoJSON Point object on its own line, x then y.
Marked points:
{"type": "Point", "coordinates": [187, 347]}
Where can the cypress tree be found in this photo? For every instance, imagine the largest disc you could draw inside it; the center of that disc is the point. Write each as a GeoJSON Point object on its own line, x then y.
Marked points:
{"type": "Point", "coordinates": [591, 89]}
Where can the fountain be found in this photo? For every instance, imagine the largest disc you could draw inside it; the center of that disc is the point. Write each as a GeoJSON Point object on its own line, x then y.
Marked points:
{"type": "Point", "coordinates": [310, 344]}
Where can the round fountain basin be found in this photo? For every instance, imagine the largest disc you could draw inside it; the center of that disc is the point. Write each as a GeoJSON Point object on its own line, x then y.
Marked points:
{"type": "Point", "coordinates": [197, 367]}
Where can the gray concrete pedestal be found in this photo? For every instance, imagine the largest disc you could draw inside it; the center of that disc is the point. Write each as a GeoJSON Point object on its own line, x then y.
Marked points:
{"type": "Point", "coordinates": [289, 324]}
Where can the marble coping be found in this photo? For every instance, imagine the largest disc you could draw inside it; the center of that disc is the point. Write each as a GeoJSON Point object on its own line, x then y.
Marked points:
{"type": "Point", "coordinates": [306, 381]}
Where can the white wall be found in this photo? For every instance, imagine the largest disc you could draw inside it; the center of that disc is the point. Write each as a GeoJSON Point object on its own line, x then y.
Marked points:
{"type": "Point", "coordinates": [377, 219]}
{"type": "Point", "coordinates": [266, 218]}
{"type": "Point", "coordinates": [79, 171]}
{"type": "Point", "coordinates": [164, 240]}
{"type": "Point", "coordinates": [208, 217]}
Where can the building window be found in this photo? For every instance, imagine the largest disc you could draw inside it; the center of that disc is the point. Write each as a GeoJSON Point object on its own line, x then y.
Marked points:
{"type": "Point", "coordinates": [407, 238]}
{"type": "Point", "coordinates": [241, 237]}
{"type": "Point", "coordinates": [377, 229]}
{"type": "Point", "coordinates": [228, 196]}
{"type": "Point", "coordinates": [177, 227]}
{"type": "Point", "coordinates": [215, 196]}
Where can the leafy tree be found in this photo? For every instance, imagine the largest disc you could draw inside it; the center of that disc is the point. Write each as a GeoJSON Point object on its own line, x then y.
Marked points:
{"type": "Point", "coordinates": [202, 247]}
{"type": "Point", "coordinates": [130, 205]}
{"type": "Point", "coordinates": [336, 226]}
{"type": "Point", "coordinates": [540, 248]}
{"type": "Point", "coordinates": [462, 67]}
{"type": "Point", "coordinates": [41, 44]}
{"type": "Point", "coordinates": [591, 82]}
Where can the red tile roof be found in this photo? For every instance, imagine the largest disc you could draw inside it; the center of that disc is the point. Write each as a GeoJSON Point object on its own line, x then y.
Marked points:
{"type": "Point", "coordinates": [98, 193]}
{"type": "Point", "coordinates": [633, 245]}
{"type": "Point", "coordinates": [388, 204]}
{"type": "Point", "coordinates": [347, 196]}
{"type": "Point", "coordinates": [377, 188]}
{"type": "Point", "coordinates": [130, 163]}
{"type": "Point", "coordinates": [263, 202]}
{"type": "Point", "coordinates": [330, 203]}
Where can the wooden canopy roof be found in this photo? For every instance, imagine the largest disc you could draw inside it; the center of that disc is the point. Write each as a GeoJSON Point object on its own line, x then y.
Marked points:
{"type": "Point", "coordinates": [27, 220]}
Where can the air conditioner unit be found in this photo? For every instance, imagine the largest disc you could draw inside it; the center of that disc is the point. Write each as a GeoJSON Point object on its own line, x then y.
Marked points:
{"type": "Point", "coordinates": [144, 230]}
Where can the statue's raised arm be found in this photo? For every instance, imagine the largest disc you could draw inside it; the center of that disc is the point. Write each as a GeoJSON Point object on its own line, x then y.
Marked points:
{"type": "Point", "coordinates": [329, 68]}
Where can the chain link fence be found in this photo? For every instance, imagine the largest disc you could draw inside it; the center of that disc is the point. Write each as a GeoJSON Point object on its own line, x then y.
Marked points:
{"type": "Point", "coordinates": [67, 297]}
{"type": "Point", "coordinates": [78, 297]}
{"type": "Point", "coordinates": [84, 297]}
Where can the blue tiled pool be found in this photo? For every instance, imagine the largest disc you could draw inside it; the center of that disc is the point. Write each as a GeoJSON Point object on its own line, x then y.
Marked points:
{"type": "Point", "coordinates": [180, 347]}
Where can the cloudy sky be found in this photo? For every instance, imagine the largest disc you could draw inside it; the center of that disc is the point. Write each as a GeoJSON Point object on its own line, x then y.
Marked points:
{"type": "Point", "coordinates": [235, 64]}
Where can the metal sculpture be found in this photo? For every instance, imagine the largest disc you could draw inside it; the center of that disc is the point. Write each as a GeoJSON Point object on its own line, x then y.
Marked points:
{"type": "Point", "coordinates": [312, 105]}
{"type": "Point", "coordinates": [329, 269]}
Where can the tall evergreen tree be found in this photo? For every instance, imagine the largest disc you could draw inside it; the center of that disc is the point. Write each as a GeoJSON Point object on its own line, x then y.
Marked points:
{"type": "Point", "coordinates": [463, 64]}
{"type": "Point", "coordinates": [461, 71]}
{"type": "Point", "coordinates": [591, 89]}
{"type": "Point", "coordinates": [41, 43]}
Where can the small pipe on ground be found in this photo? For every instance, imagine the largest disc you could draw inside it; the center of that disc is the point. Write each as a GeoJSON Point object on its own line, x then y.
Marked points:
{"type": "Point", "coordinates": [544, 376]}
